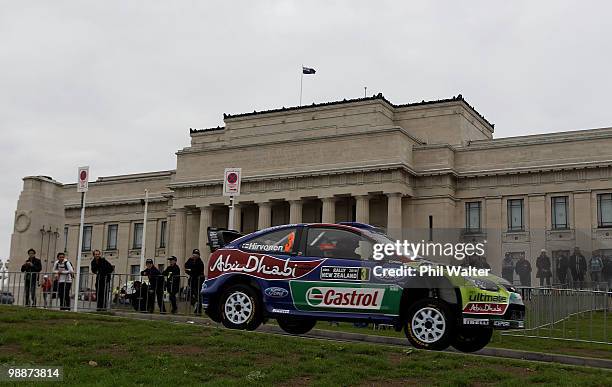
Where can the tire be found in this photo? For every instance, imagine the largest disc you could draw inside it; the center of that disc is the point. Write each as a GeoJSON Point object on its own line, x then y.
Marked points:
{"type": "Point", "coordinates": [472, 339]}
{"type": "Point", "coordinates": [240, 308]}
{"type": "Point", "coordinates": [429, 324]}
{"type": "Point", "coordinates": [296, 326]}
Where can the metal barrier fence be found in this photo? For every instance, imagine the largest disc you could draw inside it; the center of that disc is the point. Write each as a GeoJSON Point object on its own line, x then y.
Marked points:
{"type": "Point", "coordinates": [567, 314]}
{"type": "Point", "coordinates": [118, 291]}
{"type": "Point", "coordinates": [552, 313]}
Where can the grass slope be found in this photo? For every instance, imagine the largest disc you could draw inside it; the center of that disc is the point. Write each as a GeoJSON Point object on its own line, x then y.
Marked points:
{"type": "Point", "coordinates": [131, 352]}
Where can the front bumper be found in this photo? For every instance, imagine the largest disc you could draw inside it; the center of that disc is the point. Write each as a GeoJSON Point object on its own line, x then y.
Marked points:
{"type": "Point", "coordinates": [514, 318]}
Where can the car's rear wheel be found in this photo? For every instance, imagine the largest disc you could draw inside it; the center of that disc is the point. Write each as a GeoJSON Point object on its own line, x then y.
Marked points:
{"type": "Point", "coordinates": [296, 326]}
{"type": "Point", "coordinates": [429, 324]}
{"type": "Point", "coordinates": [240, 308]}
{"type": "Point", "coordinates": [472, 339]}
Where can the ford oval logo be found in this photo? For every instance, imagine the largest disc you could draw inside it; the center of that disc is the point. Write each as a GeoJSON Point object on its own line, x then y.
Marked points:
{"type": "Point", "coordinates": [276, 292]}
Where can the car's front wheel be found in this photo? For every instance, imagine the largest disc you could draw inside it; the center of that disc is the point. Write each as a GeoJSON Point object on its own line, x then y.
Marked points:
{"type": "Point", "coordinates": [472, 339]}
{"type": "Point", "coordinates": [240, 308]}
{"type": "Point", "coordinates": [296, 326]}
{"type": "Point", "coordinates": [429, 324]}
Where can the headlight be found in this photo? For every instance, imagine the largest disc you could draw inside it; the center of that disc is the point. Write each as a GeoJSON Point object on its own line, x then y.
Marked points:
{"type": "Point", "coordinates": [482, 283]}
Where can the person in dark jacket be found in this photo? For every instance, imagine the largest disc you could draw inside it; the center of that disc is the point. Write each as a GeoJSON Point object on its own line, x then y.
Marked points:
{"type": "Point", "coordinates": [578, 267]}
{"type": "Point", "coordinates": [194, 267]}
{"type": "Point", "coordinates": [543, 266]}
{"type": "Point", "coordinates": [508, 268]}
{"type": "Point", "coordinates": [172, 274]}
{"type": "Point", "coordinates": [156, 287]}
{"type": "Point", "coordinates": [31, 268]}
{"type": "Point", "coordinates": [139, 296]}
{"type": "Point", "coordinates": [523, 269]}
{"type": "Point", "coordinates": [562, 268]}
{"type": "Point", "coordinates": [103, 270]}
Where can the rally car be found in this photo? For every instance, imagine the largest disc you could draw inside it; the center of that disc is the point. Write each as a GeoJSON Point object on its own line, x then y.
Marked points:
{"type": "Point", "coordinates": [303, 273]}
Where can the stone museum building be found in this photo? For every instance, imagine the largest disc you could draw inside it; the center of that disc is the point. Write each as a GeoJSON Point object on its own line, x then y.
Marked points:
{"type": "Point", "coordinates": [429, 170]}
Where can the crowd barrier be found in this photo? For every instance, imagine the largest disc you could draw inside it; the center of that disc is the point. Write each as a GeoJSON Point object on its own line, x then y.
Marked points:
{"type": "Point", "coordinates": [551, 312]}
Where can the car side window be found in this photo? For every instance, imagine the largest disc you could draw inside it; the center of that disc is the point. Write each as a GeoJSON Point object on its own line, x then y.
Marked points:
{"type": "Point", "coordinates": [335, 243]}
{"type": "Point", "coordinates": [273, 242]}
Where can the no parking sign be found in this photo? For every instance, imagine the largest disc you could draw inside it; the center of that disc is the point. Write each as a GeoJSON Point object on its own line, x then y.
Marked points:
{"type": "Point", "coordinates": [231, 181]}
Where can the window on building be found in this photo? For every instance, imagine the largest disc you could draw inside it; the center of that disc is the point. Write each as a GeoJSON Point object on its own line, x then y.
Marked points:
{"type": "Point", "coordinates": [604, 210]}
{"type": "Point", "coordinates": [515, 215]}
{"type": "Point", "coordinates": [137, 235]}
{"type": "Point", "coordinates": [111, 240]}
{"type": "Point", "coordinates": [335, 243]}
{"type": "Point", "coordinates": [472, 216]}
{"type": "Point", "coordinates": [84, 281]}
{"type": "Point", "coordinates": [162, 233]}
{"type": "Point", "coordinates": [86, 238]}
{"type": "Point", "coordinates": [559, 212]}
{"type": "Point", "coordinates": [65, 239]}
{"type": "Point", "coordinates": [134, 271]}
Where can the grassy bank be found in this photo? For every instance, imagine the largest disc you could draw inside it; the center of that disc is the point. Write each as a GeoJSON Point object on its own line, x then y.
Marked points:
{"type": "Point", "coordinates": [142, 352]}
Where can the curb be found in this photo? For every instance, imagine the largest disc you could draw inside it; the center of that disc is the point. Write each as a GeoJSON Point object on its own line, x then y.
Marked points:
{"type": "Point", "coordinates": [386, 340]}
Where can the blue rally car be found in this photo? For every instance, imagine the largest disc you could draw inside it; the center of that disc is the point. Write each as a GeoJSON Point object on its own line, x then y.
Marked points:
{"type": "Point", "coordinates": [303, 273]}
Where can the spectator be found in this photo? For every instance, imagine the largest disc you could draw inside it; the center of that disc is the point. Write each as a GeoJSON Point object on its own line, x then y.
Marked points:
{"type": "Point", "coordinates": [103, 270]}
{"type": "Point", "coordinates": [46, 285]}
{"type": "Point", "coordinates": [156, 287]}
{"type": "Point", "coordinates": [543, 266]}
{"type": "Point", "coordinates": [562, 268]}
{"type": "Point", "coordinates": [523, 269]}
{"type": "Point", "coordinates": [508, 268]}
{"type": "Point", "coordinates": [31, 268]}
{"type": "Point", "coordinates": [595, 268]}
{"type": "Point", "coordinates": [139, 296]}
{"type": "Point", "coordinates": [483, 264]}
{"type": "Point", "coordinates": [194, 267]}
{"type": "Point", "coordinates": [606, 272]}
{"type": "Point", "coordinates": [577, 266]}
{"type": "Point", "coordinates": [172, 274]}
{"type": "Point", "coordinates": [63, 273]}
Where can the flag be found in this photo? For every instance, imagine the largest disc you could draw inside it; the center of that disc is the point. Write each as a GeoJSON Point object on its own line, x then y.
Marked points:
{"type": "Point", "coordinates": [308, 70]}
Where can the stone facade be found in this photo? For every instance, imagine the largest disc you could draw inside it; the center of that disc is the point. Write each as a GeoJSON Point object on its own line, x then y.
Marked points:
{"type": "Point", "coordinates": [408, 168]}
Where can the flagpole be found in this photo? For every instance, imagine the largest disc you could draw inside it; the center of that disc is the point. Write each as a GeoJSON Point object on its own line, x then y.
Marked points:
{"type": "Point", "coordinates": [301, 83]}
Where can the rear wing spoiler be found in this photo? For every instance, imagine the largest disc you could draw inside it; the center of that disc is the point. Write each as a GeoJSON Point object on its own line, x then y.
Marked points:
{"type": "Point", "coordinates": [219, 237]}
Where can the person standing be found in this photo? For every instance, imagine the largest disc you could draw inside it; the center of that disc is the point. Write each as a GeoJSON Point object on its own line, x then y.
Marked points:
{"type": "Point", "coordinates": [595, 268]}
{"type": "Point", "coordinates": [63, 273]}
{"type": "Point", "coordinates": [46, 286]}
{"type": "Point", "coordinates": [543, 266]}
{"type": "Point", "coordinates": [172, 274]}
{"type": "Point", "coordinates": [562, 268]}
{"type": "Point", "coordinates": [577, 266]}
{"type": "Point", "coordinates": [194, 267]}
{"type": "Point", "coordinates": [508, 268]}
{"type": "Point", "coordinates": [523, 269]}
{"type": "Point", "coordinates": [31, 268]}
{"type": "Point", "coordinates": [606, 272]}
{"type": "Point", "coordinates": [103, 270]}
{"type": "Point", "coordinates": [156, 286]}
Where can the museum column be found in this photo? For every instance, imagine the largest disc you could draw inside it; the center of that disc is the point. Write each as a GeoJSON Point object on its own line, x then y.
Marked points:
{"type": "Point", "coordinates": [180, 223]}
{"type": "Point", "coordinates": [362, 204]}
{"type": "Point", "coordinates": [329, 210]}
{"type": "Point", "coordinates": [237, 217]}
{"type": "Point", "coordinates": [295, 211]}
{"type": "Point", "coordinates": [394, 215]}
{"type": "Point", "coordinates": [264, 218]}
{"type": "Point", "coordinates": [205, 222]}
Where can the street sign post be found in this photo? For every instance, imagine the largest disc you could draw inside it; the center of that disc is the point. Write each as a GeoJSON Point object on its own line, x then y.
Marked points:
{"type": "Point", "coordinates": [82, 187]}
{"type": "Point", "coordinates": [231, 188]}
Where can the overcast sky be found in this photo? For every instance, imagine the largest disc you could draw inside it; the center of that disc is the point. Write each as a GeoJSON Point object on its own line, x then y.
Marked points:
{"type": "Point", "coordinates": [117, 84]}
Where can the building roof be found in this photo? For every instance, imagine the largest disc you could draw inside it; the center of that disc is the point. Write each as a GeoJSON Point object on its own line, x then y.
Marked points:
{"type": "Point", "coordinates": [191, 130]}
{"type": "Point", "coordinates": [375, 97]}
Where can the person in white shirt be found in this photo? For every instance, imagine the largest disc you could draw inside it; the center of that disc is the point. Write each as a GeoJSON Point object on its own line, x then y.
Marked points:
{"type": "Point", "coordinates": [63, 274]}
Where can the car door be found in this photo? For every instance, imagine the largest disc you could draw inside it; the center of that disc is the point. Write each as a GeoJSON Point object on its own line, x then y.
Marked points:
{"type": "Point", "coordinates": [343, 282]}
